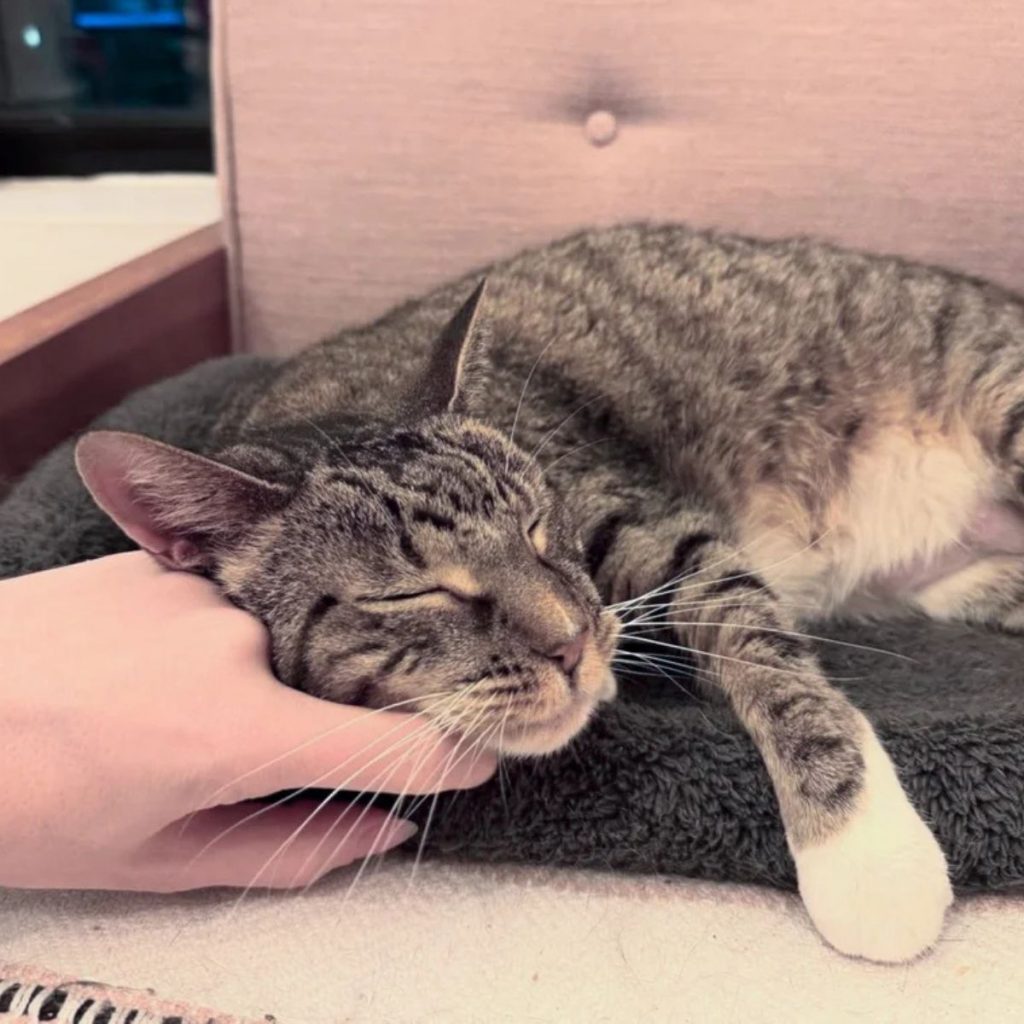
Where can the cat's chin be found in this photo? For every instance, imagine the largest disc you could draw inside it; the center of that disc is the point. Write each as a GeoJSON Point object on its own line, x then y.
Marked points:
{"type": "Point", "coordinates": [548, 735]}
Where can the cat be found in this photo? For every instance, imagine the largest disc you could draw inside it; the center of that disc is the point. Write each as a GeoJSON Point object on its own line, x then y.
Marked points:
{"type": "Point", "coordinates": [458, 505]}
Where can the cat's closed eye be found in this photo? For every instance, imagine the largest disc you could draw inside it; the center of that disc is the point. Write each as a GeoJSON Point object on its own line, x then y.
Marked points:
{"type": "Point", "coordinates": [429, 596]}
{"type": "Point", "coordinates": [538, 535]}
{"type": "Point", "coordinates": [451, 586]}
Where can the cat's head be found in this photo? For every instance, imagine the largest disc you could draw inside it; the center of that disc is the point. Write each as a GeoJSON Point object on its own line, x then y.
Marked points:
{"type": "Point", "coordinates": [424, 563]}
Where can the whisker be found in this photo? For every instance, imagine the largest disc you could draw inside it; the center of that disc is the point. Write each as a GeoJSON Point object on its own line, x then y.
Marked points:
{"type": "Point", "coordinates": [389, 768]}
{"type": "Point", "coordinates": [757, 570]}
{"type": "Point", "coordinates": [654, 591]}
{"type": "Point", "coordinates": [364, 860]}
{"type": "Point", "coordinates": [674, 661]}
{"type": "Point", "coordinates": [743, 661]}
{"type": "Point", "coordinates": [399, 810]}
{"type": "Point", "coordinates": [647, 610]}
{"type": "Point", "coordinates": [726, 600]}
{"type": "Point", "coordinates": [472, 751]}
{"type": "Point", "coordinates": [573, 451]}
{"type": "Point", "coordinates": [650, 611]}
{"type": "Point", "coordinates": [341, 727]}
{"type": "Point", "coordinates": [396, 812]}
{"type": "Point", "coordinates": [379, 782]}
{"type": "Point", "coordinates": [447, 768]}
{"type": "Point", "coordinates": [438, 721]}
{"type": "Point", "coordinates": [332, 442]}
{"type": "Point", "coordinates": [463, 732]}
{"type": "Point", "coordinates": [677, 669]}
{"type": "Point", "coordinates": [522, 395]}
{"type": "Point", "coordinates": [683, 585]}
{"type": "Point", "coordinates": [725, 657]}
{"type": "Point", "coordinates": [455, 796]}
{"type": "Point", "coordinates": [658, 624]}
{"type": "Point", "coordinates": [501, 760]}
{"type": "Point", "coordinates": [551, 433]}
{"type": "Point", "coordinates": [266, 808]}
{"type": "Point", "coordinates": [706, 602]}
{"type": "Point", "coordinates": [689, 693]}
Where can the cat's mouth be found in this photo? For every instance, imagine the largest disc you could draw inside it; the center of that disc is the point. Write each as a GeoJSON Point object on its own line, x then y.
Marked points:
{"type": "Point", "coordinates": [593, 684]}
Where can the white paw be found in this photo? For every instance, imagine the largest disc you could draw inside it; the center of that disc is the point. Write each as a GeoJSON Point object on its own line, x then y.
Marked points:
{"type": "Point", "coordinates": [878, 889]}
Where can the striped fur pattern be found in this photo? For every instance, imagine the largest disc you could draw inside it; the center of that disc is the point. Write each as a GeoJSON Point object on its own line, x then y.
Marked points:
{"type": "Point", "coordinates": [444, 566]}
{"type": "Point", "coordinates": [718, 437]}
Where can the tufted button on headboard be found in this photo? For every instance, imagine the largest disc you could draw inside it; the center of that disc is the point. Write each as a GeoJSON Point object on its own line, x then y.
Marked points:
{"type": "Point", "coordinates": [601, 127]}
{"type": "Point", "coordinates": [370, 150]}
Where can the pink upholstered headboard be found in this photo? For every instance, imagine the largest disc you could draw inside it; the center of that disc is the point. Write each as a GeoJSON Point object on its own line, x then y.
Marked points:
{"type": "Point", "coordinates": [371, 149]}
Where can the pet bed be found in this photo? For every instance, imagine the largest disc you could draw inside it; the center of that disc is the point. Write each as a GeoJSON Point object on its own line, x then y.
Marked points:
{"type": "Point", "coordinates": [662, 781]}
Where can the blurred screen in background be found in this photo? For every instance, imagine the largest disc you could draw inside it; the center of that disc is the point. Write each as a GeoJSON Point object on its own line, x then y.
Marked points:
{"type": "Point", "coordinates": [129, 13]}
{"type": "Point", "coordinates": [88, 86]}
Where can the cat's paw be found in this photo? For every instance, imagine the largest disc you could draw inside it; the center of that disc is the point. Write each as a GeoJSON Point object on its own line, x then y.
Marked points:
{"type": "Point", "coordinates": [879, 888]}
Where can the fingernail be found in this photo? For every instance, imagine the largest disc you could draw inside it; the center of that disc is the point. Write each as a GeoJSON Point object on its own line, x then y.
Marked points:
{"type": "Point", "coordinates": [401, 831]}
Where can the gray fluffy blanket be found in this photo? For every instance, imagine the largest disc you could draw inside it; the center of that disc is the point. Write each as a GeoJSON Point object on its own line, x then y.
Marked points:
{"type": "Point", "coordinates": [661, 781]}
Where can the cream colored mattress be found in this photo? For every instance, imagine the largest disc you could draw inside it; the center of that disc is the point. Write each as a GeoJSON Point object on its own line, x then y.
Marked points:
{"type": "Point", "coordinates": [56, 233]}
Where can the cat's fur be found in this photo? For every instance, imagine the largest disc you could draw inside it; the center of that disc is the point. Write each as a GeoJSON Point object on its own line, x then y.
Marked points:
{"type": "Point", "coordinates": [770, 432]}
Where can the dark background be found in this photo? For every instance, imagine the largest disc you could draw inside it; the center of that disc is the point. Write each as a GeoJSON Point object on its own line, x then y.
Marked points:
{"type": "Point", "coordinates": [91, 86]}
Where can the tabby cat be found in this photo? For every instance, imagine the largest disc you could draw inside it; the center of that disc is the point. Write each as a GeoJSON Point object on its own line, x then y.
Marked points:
{"type": "Point", "coordinates": [446, 507]}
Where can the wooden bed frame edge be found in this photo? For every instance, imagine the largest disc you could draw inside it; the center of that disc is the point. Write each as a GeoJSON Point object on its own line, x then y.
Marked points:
{"type": "Point", "coordinates": [68, 359]}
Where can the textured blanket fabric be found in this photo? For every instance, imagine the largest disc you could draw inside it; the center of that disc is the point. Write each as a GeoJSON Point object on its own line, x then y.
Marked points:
{"type": "Point", "coordinates": [661, 781]}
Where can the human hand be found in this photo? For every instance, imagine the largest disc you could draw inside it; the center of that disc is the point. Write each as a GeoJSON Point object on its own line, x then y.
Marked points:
{"type": "Point", "coordinates": [139, 710]}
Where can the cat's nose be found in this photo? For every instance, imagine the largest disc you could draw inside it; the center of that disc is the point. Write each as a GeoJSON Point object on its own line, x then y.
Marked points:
{"type": "Point", "coordinates": [568, 655]}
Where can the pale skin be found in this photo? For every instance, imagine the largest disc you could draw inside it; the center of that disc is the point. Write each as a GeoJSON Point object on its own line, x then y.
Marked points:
{"type": "Point", "coordinates": [141, 720]}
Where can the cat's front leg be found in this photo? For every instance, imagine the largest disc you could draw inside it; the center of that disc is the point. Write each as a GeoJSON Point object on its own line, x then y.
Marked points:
{"type": "Point", "coordinates": [874, 880]}
{"type": "Point", "coordinates": [870, 872]}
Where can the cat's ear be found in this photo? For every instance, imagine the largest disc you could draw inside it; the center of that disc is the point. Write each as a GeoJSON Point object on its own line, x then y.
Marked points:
{"type": "Point", "coordinates": [439, 389]}
{"type": "Point", "coordinates": [181, 507]}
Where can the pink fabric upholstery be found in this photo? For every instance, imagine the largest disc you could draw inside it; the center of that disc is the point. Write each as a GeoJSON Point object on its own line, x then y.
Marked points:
{"type": "Point", "coordinates": [372, 149]}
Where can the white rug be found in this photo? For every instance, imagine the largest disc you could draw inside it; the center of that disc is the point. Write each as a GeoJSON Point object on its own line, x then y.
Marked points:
{"type": "Point", "coordinates": [499, 945]}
